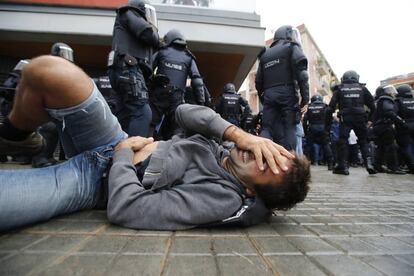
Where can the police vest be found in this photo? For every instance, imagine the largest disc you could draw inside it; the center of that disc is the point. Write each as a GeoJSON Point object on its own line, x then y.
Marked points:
{"type": "Point", "coordinates": [231, 105]}
{"type": "Point", "coordinates": [276, 65]}
{"type": "Point", "coordinates": [351, 99]}
{"type": "Point", "coordinates": [406, 108]}
{"type": "Point", "coordinates": [316, 113]}
{"type": "Point", "coordinates": [175, 64]}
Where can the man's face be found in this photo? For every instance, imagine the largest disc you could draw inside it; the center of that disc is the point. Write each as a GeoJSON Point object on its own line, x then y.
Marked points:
{"type": "Point", "coordinates": [245, 166]}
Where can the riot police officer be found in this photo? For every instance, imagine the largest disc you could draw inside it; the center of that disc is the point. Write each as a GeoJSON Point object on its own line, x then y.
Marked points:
{"type": "Point", "coordinates": [7, 93]}
{"type": "Point", "coordinates": [135, 37]}
{"type": "Point", "coordinates": [112, 98]}
{"type": "Point", "coordinates": [174, 61]}
{"type": "Point", "coordinates": [248, 124]}
{"type": "Point", "coordinates": [231, 106]}
{"type": "Point", "coordinates": [405, 135]}
{"type": "Point", "coordinates": [9, 86]}
{"type": "Point", "coordinates": [351, 96]}
{"type": "Point", "coordinates": [280, 67]}
{"type": "Point", "coordinates": [314, 127]}
{"type": "Point", "coordinates": [384, 119]}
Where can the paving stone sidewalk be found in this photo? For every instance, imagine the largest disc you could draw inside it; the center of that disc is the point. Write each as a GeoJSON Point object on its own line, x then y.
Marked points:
{"type": "Point", "coordinates": [348, 225]}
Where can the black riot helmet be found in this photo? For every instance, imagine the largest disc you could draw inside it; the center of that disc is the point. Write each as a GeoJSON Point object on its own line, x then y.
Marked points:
{"type": "Point", "coordinates": [176, 37]}
{"type": "Point", "coordinates": [385, 90]}
{"type": "Point", "coordinates": [405, 91]}
{"type": "Point", "coordinates": [19, 66]}
{"type": "Point", "coordinates": [144, 9]}
{"type": "Point", "coordinates": [350, 77]}
{"type": "Point", "coordinates": [316, 98]}
{"type": "Point", "coordinates": [229, 88]}
{"type": "Point", "coordinates": [138, 4]}
{"type": "Point", "coordinates": [63, 50]}
{"type": "Point", "coordinates": [289, 33]}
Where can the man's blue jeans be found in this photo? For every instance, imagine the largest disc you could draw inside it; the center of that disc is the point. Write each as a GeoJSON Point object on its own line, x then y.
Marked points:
{"type": "Point", "coordinates": [88, 133]}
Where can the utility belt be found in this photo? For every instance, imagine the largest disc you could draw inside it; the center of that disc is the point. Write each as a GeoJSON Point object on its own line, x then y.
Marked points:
{"type": "Point", "coordinates": [289, 84]}
{"type": "Point", "coordinates": [131, 80]}
{"type": "Point", "coordinates": [168, 93]}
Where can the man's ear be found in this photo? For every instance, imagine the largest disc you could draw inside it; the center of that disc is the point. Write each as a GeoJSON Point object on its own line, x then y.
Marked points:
{"type": "Point", "coordinates": [250, 191]}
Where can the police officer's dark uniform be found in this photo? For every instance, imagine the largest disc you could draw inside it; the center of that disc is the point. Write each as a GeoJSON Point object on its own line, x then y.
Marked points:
{"type": "Point", "coordinates": [315, 130]}
{"type": "Point", "coordinates": [405, 135]}
{"type": "Point", "coordinates": [384, 119]}
{"type": "Point", "coordinates": [280, 66]}
{"type": "Point", "coordinates": [193, 92]}
{"type": "Point", "coordinates": [231, 106]}
{"type": "Point", "coordinates": [112, 98]}
{"type": "Point", "coordinates": [135, 38]}
{"type": "Point", "coordinates": [351, 96]}
{"type": "Point", "coordinates": [248, 124]}
{"type": "Point", "coordinates": [174, 61]}
{"type": "Point", "coordinates": [7, 92]}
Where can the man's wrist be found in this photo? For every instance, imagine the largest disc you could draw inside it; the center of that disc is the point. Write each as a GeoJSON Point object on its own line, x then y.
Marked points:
{"type": "Point", "coordinates": [233, 134]}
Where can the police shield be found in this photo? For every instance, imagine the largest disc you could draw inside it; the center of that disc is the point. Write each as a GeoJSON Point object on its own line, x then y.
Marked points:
{"type": "Point", "coordinates": [151, 16]}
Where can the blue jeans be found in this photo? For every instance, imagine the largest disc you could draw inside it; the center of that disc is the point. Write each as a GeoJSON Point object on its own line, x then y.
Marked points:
{"type": "Point", "coordinates": [88, 133]}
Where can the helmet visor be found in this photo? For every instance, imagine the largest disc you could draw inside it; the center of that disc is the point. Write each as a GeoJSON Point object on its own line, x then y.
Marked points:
{"type": "Point", "coordinates": [296, 36]}
{"type": "Point", "coordinates": [390, 91]}
{"type": "Point", "coordinates": [22, 63]}
{"type": "Point", "coordinates": [66, 53]}
{"type": "Point", "coordinates": [151, 15]}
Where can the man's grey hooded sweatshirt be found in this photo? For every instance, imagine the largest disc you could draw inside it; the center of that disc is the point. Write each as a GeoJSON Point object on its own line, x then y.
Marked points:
{"type": "Point", "coordinates": [184, 184]}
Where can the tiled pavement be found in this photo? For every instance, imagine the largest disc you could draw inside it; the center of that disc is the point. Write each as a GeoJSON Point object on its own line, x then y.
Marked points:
{"type": "Point", "coordinates": [355, 225]}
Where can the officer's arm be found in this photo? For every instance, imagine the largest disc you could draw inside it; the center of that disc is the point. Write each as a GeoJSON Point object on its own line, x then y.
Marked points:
{"type": "Point", "coordinates": [369, 102]}
{"type": "Point", "coordinates": [389, 112]}
{"type": "Point", "coordinates": [245, 105]}
{"type": "Point", "coordinates": [259, 81]}
{"type": "Point", "coordinates": [331, 108]}
{"type": "Point", "coordinates": [207, 97]}
{"type": "Point", "coordinates": [141, 29]}
{"type": "Point", "coordinates": [305, 123]}
{"type": "Point", "coordinates": [197, 86]}
{"type": "Point", "coordinates": [300, 65]}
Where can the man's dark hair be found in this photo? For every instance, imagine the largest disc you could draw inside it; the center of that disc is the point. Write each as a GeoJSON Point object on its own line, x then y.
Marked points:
{"type": "Point", "coordinates": [293, 189]}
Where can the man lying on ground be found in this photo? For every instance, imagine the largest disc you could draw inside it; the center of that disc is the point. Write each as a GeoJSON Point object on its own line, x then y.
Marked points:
{"type": "Point", "coordinates": [181, 183]}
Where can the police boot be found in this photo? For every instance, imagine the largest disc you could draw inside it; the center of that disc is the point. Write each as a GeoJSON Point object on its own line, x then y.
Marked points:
{"type": "Point", "coordinates": [341, 170]}
{"type": "Point", "coordinates": [330, 165]}
{"type": "Point", "coordinates": [396, 171]}
{"type": "Point", "coordinates": [370, 166]}
{"type": "Point", "coordinates": [341, 167]}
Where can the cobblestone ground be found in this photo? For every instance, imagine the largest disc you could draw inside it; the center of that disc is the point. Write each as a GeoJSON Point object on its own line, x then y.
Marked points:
{"type": "Point", "coordinates": [354, 225]}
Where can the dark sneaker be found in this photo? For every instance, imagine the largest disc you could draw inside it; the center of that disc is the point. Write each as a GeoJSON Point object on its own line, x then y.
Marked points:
{"type": "Point", "coordinates": [396, 172]}
{"type": "Point", "coordinates": [32, 145]}
{"type": "Point", "coordinates": [42, 162]}
{"type": "Point", "coordinates": [338, 170]}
